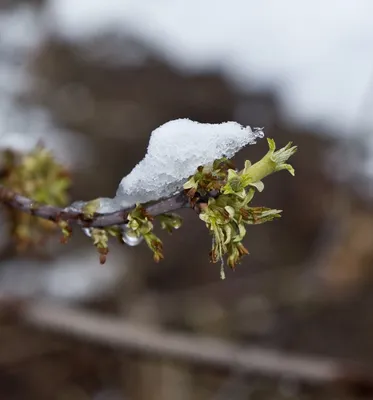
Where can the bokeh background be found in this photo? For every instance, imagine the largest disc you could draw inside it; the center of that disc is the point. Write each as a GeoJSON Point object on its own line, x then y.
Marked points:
{"type": "Point", "coordinates": [91, 79]}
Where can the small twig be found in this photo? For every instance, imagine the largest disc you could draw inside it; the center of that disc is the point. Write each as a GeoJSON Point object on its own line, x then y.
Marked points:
{"type": "Point", "coordinates": [56, 214]}
{"type": "Point", "coordinates": [196, 349]}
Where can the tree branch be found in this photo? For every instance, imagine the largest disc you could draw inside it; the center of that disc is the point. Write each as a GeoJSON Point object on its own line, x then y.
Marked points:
{"type": "Point", "coordinates": [112, 331]}
{"type": "Point", "coordinates": [56, 214]}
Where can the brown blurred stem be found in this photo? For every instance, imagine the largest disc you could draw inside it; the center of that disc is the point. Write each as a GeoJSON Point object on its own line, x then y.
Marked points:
{"type": "Point", "coordinates": [57, 214]}
{"type": "Point", "coordinates": [115, 332]}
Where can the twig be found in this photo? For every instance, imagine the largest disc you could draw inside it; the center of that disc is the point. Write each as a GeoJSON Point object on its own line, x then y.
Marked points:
{"type": "Point", "coordinates": [196, 349]}
{"type": "Point", "coordinates": [56, 214]}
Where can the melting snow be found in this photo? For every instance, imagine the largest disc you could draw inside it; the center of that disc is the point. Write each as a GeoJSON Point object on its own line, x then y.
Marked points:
{"type": "Point", "coordinates": [176, 149]}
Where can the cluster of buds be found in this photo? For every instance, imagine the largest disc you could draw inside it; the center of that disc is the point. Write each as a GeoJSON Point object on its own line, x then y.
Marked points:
{"type": "Point", "coordinates": [227, 213]}
{"type": "Point", "coordinates": [140, 225]}
{"type": "Point", "coordinates": [39, 176]}
{"type": "Point", "coordinates": [208, 178]}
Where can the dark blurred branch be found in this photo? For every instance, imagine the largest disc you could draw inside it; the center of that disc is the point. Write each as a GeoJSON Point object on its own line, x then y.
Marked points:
{"type": "Point", "coordinates": [110, 331]}
{"type": "Point", "coordinates": [56, 214]}
{"type": "Point", "coordinates": [3, 173]}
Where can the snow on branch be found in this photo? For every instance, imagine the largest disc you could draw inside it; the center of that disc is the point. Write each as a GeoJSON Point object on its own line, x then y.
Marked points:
{"type": "Point", "coordinates": [187, 164]}
{"type": "Point", "coordinates": [97, 220]}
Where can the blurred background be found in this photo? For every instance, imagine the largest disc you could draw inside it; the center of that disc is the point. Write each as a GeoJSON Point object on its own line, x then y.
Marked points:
{"type": "Point", "coordinates": [91, 79]}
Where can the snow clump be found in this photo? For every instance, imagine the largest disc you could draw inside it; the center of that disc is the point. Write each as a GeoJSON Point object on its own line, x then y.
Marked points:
{"type": "Point", "coordinates": [176, 149]}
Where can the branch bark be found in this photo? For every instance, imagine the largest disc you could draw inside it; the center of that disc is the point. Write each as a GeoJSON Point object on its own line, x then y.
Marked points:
{"type": "Point", "coordinates": [111, 332]}
{"type": "Point", "coordinates": [56, 214]}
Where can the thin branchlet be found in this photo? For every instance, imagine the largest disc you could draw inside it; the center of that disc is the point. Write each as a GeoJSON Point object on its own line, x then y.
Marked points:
{"type": "Point", "coordinates": [97, 220]}
{"type": "Point", "coordinates": [217, 192]}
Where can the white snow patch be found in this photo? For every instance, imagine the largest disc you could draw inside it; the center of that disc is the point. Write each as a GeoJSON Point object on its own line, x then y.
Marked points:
{"type": "Point", "coordinates": [71, 278]}
{"type": "Point", "coordinates": [176, 149]}
{"type": "Point", "coordinates": [77, 277]}
{"type": "Point", "coordinates": [318, 53]}
{"type": "Point", "coordinates": [23, 126]}
{"type": "Point", "coordinates": [20, 28]}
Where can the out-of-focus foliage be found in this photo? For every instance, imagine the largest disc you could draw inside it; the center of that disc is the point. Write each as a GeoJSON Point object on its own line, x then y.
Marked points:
{"type": "Point", "coordinates": [36, 175]}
